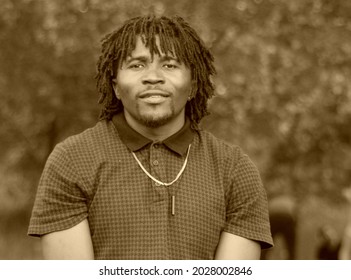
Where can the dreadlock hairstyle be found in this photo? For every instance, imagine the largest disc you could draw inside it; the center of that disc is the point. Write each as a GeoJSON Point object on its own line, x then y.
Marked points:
{"type": "Point", "coordinates": [176, 37]}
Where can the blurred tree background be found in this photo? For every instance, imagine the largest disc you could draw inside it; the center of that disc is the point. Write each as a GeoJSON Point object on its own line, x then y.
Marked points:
{"type": "Point", "coordinates": [283, 94]}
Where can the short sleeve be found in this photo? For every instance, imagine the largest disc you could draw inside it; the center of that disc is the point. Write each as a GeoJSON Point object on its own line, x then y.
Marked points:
{"type": "Point", "coordinates": [60, 202]}
{"type": "Point", "coordinates": [247, 206]}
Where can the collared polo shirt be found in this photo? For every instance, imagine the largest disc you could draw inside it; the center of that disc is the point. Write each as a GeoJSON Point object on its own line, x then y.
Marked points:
{"type": "Point", "coordinates": [94, 175]}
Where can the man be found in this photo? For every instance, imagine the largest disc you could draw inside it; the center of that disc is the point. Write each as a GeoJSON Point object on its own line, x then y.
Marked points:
{"type": "Point", "coordinates": [146, 182]}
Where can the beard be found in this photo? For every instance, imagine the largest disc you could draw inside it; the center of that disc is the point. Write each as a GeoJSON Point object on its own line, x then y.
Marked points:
{"type": "Point", "coordinates": [155, 120]}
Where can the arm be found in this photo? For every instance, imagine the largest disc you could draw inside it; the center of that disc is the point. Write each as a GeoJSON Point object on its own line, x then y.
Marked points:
{"type": "Point", "coordinates": [234, 247]}
{"type": "Point", "coordinates": [70, 244]}
{"type": "Point", "coordinates": [247, 227]}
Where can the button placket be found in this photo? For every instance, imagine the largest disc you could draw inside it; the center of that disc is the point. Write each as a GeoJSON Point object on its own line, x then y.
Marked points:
{"type": "Point", "coordinates": [155, 162]}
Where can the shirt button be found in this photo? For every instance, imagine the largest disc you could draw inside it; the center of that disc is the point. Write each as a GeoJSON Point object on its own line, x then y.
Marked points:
{"type": "Point", "coordinates": [157, 184]}
{"type": "Point", "coordinates": [155, 162]}
{"type": "Point", "coordinates": [156, 146]}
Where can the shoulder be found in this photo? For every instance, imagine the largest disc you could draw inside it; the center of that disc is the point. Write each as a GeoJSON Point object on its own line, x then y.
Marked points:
{"type": "Point", "coordinates": [97, 135]}
{"type": "Point", "coordinates": [230, 158]}
{"type": "Point", "coordinates": [219, 148]}
{"type": "Point", "coordinates": [90, 142]}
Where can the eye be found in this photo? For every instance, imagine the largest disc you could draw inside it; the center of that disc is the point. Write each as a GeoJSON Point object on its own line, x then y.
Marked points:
{"type": "Point", "coordinates": [170, 65]}
{"type": "Point", "coordinates": [136, 66]}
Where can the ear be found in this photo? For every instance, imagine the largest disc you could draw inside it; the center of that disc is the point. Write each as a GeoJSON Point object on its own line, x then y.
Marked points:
{"type": "Point", "coordinates": [115, 88]}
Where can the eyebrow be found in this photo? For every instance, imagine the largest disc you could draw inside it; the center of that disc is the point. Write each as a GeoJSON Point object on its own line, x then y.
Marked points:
{"type": "Point", "coordinates": [136, 58]}
{"type": "Point", "coordinates": [169, 57]}
{"type": "Point", "coordinates": [144, 58]}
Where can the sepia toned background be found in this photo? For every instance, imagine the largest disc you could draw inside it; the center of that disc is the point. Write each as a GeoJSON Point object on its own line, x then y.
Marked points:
{"type": "Point", "coordinates": [283, 94]}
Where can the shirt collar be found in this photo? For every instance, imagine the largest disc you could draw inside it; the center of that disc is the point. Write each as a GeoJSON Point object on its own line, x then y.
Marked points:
{"type": "Point", "coordinates": [178, 142]}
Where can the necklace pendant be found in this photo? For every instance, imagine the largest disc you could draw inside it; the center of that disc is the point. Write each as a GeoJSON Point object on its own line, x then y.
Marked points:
{"type": "Point", "coordinates": [159, 183]}
{"type": "Point", "coordinates": [173, 205]}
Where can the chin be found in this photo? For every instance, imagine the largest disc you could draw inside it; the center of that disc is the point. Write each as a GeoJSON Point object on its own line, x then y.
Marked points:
{"type": "Point", "coordinates": [156, 120]}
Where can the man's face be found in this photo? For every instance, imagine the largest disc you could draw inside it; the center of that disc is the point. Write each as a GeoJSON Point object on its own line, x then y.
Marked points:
{"type": "Point", "coordinates": [154, 91]}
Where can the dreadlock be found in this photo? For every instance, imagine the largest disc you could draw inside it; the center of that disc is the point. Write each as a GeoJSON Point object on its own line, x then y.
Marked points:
{"type": "Point", "coordinates": [177, 38]}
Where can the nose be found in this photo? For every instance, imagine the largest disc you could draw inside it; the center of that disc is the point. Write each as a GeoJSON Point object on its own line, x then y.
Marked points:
{"type": "Point", "coordinates": [153, 75]}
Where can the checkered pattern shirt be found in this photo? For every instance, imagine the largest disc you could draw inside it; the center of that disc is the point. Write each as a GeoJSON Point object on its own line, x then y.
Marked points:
{"type": "Point", "coordinates": [93, 175]}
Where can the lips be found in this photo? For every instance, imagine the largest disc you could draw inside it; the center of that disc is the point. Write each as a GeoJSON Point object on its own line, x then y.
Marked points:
{"type": "Point", "coordinates": [154, 96]}
{"type": "Point", "coordinates": [154, 93]}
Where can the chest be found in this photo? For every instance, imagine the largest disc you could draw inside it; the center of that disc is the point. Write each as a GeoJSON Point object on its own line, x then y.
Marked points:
{"type": "Point", "coordinates": [133, 210]}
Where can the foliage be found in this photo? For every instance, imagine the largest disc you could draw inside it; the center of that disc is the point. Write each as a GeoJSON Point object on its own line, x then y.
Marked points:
{"type": "Point", "coordinates": [283, 92]}
{"type": "Point", "coordinates": [288, 92]}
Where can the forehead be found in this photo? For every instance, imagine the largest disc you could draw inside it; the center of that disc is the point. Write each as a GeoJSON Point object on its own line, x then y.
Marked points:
{"type": "Point", "coordinates": [151, 48]}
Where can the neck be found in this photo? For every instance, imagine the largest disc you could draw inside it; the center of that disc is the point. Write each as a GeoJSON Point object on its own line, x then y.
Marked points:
{"type": "Point", "coordinates": [157, 133]}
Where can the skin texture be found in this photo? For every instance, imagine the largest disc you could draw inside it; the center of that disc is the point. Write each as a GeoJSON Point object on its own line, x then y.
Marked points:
{"type": "Point", "coordinates": [154, 93]}
{"type": "Point", "coordinates": [70, 244]}
{"type": "Point", "coordinates": [234, 247]}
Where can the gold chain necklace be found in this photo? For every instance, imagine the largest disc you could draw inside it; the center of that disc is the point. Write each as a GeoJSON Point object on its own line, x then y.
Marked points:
{"type": "Point", "coordinates": [158, 181]}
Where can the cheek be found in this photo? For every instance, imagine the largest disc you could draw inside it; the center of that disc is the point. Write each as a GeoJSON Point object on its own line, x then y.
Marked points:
{"type": "Point", "coordinates": [186, 90]}
{"type": "Point", "coordinates": [124, 94]}
{"type": "Point", "coordinates": [125, 82]}
{"type": "Point", "coordinates": [125, 89]}
{"type": "Point", "coordinates": [183, 84]}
